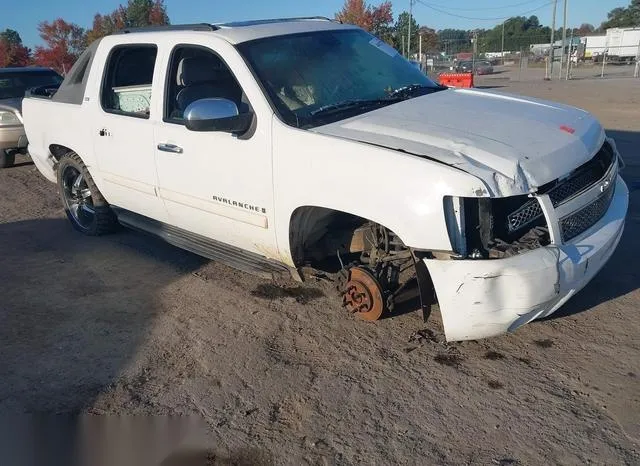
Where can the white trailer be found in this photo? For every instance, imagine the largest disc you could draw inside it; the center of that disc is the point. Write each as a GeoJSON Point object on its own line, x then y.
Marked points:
{"type": "Point", "coordinates": [623, 43]}
{"type": "Point", "coordinates": [594, 46]}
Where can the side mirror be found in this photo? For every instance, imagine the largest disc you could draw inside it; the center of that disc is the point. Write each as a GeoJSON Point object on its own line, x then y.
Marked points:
{"type": "Point", "coordinates": [214, 114]}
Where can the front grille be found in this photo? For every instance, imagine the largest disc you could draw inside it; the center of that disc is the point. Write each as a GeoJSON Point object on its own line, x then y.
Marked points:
{"type": "Point", "coordinates": [525, 215]}
{"type": "Point", "coordinates": [583, 219]}
{"type": "Point", "coordinates": [582, 177]}
{"type": "Point", "coordinates": [579, 180]}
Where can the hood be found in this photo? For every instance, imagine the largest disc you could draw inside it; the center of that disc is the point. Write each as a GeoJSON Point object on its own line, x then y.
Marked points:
{"type": "Point", "coordinates": [14, 103]}
{"type": "Point", "coordinates": [514, 144]}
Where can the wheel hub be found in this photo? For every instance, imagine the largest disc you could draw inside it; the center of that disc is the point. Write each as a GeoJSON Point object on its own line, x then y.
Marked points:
{"type": "Point", "coordinates": [362, 295]}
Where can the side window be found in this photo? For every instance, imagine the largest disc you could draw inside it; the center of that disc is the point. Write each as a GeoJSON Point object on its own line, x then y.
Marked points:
{"type": "Point", "coordinates": [126, 87]}
{"type": "Point", "coordinates": [196, 73]}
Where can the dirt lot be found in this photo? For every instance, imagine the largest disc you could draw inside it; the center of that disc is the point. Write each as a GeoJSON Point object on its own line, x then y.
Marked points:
{"type": "Point", "coordinates": [125, 324]}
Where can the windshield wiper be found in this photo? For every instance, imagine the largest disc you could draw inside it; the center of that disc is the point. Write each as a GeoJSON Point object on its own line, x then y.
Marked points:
{"type": "Point", "coordinates": [353, 104]}
{"type": "Point", "coordinates": [413, 90]}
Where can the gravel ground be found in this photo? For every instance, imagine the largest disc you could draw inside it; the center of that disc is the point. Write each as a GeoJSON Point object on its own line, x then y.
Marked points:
{"type": "Point", "coordinates": [125, 324]}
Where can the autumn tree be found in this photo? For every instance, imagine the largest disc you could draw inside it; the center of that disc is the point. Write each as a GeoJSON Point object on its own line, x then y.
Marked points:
{"type": "Point", "coordinates": [64, 44]}
{"type": "Point", "coordinates": [103, 25]}
{"type": "Point", "coordinates": [429, 39]}
{"type": "Point", "coordinates": [137, 13]}
{"type": "Point", "coordinates": [584, 30]}
{"type": "Point", "coordinates": [378, 20]}
{"type": "Point", "coordinates": [12, 51]}
{"type": "Point", "coordinates": [382, 22]}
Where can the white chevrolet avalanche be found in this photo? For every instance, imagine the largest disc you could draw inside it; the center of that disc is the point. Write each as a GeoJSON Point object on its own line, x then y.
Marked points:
{"type": "Point", "coordinates": [305, 144]}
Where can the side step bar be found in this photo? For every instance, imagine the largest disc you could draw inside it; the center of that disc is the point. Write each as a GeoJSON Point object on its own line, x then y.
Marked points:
{"type": "Point", "coordinates": [232, 256]}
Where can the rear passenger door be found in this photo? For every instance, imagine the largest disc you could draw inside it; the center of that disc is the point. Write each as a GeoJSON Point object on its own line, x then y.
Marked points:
{"type": "Point", "coordinates": [216, 184]}
{"type": "Point", "coordinates": [123, 130]}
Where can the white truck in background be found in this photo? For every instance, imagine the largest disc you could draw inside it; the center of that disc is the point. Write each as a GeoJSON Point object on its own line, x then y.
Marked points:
{"type": "Point", "coordinates": [623, 44]}
{"type": "Point", "coordinates": [594, 46]}
{"type": "Point", "coordinates": [620, 45]}
{"type": "Point", "coordinates": [278, 145]}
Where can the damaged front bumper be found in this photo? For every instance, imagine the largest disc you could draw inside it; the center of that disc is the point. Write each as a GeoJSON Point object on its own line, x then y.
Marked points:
{"type": "Point", "coordinates": [485, 298]}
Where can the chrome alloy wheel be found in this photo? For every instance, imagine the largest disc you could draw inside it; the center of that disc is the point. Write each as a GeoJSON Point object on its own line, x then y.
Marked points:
{"type": "Point", "coordinates": [77, 197]}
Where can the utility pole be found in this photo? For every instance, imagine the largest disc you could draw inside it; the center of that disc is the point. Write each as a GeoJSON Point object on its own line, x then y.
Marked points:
{"type": "Point", "coordinates": [570, 58]}
{"type": "Point", "coordinates": [564, 36]}
{"type": "Point", "coordinates": [502, 53]}
{"type": "Point", "coordinates": [403, 49]}
{"type": "Point", "coordinates": [553, 36]}
{"type": "Point", "coordinates": [474, 41]}
{"type": "Point", "coordinates": [409, 30]}
{"type": "Point", "coordinates": [420, 50]}
{"type": "Point", "coordinates": [636, 72]}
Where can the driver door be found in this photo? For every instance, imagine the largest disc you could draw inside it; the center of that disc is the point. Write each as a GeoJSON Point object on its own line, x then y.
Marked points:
{"type": "Point", "coordinates": [215, 184]}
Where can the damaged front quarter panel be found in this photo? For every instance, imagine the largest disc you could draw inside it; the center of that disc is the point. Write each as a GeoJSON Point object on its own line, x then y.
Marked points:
{"type": "Point", "coordinates": [485, 298]}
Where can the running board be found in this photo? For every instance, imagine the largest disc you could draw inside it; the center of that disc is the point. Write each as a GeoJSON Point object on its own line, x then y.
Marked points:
{"type": "Point", "coordinates": [232, 256]}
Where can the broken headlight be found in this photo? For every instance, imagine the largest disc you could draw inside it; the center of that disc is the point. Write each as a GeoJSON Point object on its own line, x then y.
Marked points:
{"type": "Point", "coordinates": [482, 228]}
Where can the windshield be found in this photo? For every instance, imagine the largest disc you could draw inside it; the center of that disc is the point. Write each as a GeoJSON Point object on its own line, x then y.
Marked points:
{"type": "Point", "coordinates": [15, 84]}
{"type": "Point", "coordinates": [320, 77]}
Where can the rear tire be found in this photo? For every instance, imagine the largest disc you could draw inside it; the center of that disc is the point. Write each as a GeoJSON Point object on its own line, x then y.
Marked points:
{"type": "Point", "coordinates": [7, 159]}
{"type": "Point", "coordinates": [87, 210]}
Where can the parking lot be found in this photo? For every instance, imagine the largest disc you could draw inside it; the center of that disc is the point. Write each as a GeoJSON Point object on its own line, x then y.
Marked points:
{"type": "Point", "coordinates": [281, 374]}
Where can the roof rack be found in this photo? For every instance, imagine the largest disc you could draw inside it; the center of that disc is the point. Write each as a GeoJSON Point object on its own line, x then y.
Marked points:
{"type": "Point", "coordinates": [257, 22]}
{"type": "Point", "coordinates": [171, 27]}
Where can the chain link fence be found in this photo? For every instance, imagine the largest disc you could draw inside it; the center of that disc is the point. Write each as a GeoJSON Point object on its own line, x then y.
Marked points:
{"type": "Point", "coordinates": [533, 62]}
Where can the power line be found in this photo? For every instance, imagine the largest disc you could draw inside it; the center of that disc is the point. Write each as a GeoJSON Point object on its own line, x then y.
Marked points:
{"type": "Point", "coordinates": [488, 7]}
{"type": "Point", "coordinates": [481, 19]}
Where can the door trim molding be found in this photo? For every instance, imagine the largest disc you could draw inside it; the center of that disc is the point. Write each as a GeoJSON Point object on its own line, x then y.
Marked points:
{"type": "Point", "coordinates": [256, 219]}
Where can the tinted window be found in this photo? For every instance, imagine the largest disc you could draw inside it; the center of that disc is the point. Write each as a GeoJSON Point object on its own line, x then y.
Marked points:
{"type": "Point", "coordinates": [306, 72]}
{"type": "Point", "coordinates": [15, 84]}
{"type": "Point", "coordinates": [128, 80]}
{"type": "Point", "coordinates": [197, 73]}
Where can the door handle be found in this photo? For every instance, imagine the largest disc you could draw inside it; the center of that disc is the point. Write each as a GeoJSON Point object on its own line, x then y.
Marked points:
{"type": "Point", "coordinates": [170, 148]}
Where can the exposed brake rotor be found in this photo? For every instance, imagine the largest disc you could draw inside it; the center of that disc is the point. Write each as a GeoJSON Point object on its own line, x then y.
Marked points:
{"type": "Point", "coordinates": [362, 294]}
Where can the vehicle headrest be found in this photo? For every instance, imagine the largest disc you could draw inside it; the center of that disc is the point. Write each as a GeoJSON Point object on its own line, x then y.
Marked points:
{"type": "Point", "coordinates": [197, 70]}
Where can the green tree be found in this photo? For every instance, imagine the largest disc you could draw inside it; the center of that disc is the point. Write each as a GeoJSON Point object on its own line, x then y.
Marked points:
{"type": "Point", "coordinates": [519, 33]}
{"type": "Point", "coordinates": [12, 52]}
{"type": "Point", "coordinates": [401, 29]}
{"type": "Point", "coordinates": [11, 37]}
{"type": "Point", "coordinates": [622, 17]}
{"type": "Point", "coordinates": [140, 13]}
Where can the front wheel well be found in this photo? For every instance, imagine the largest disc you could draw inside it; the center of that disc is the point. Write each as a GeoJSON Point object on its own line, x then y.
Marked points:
{"type": "Point", "coordinates": [369, 258]}
{"type": "Point", "coordinates": [320, 236]}
{"type": "Point", "coordinates": [317, 232]}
